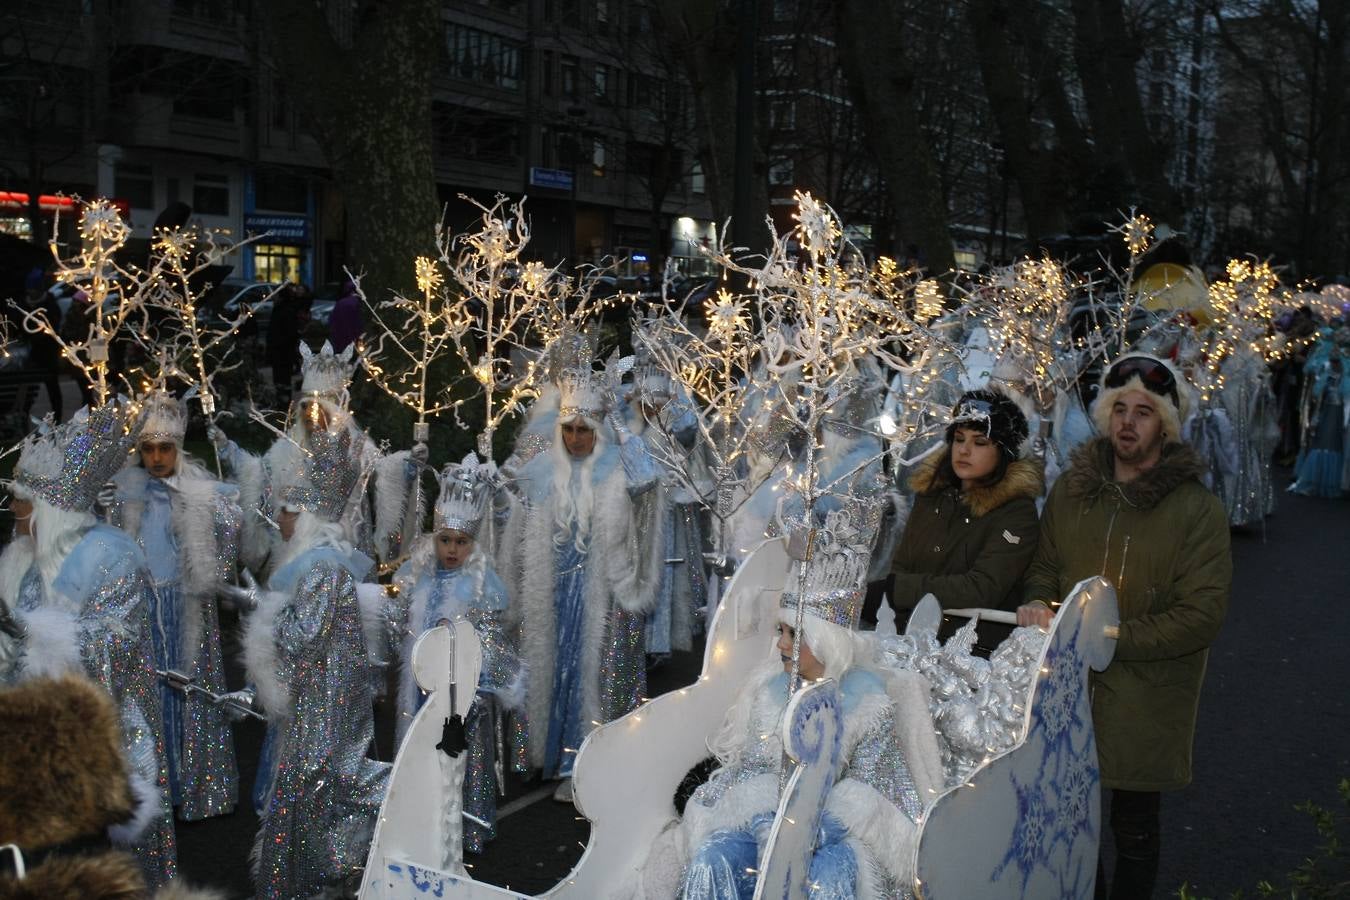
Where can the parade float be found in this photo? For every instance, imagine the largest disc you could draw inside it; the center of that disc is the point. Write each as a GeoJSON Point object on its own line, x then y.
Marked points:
{"type": "Point", "coordinates": [1023, 822]}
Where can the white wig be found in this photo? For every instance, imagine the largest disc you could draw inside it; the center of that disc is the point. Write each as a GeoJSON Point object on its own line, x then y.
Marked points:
{"type": "Point", "coordinates": [569, 506]}
{"type": "Point", "coordinates": [310, 531]}
{"type": "Point", "coordinates": [55, 532]}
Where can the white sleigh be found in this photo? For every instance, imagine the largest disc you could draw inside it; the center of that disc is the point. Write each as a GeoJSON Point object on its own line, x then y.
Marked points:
{"type": "Point", "coordinates": [1024, 824]}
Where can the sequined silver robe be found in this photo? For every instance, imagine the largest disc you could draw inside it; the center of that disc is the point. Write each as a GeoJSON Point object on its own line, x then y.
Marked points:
{"type": "Point", "coordinates": [306, 651]}
{"type": "Point", "coordinates": [206, 518]}
{"type": "Point", "coordinates": [94, 617]}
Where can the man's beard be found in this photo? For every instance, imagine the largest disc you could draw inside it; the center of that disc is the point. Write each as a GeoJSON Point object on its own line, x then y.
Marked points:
{"type": "Point", "coordinates": [1136, 452]}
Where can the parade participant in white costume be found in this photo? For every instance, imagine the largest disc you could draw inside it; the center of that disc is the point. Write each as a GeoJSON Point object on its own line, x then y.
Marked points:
{"type": "Point", "coordinates": [665, 420]}
{"type": "Point", "coordinates": [583, 564]}
{"type": "Point", "coordinates": [81, 595]}
{"type": "Point", "coordinates": [306, 651]}
{"type": "Point", "coordinates": [450, 576]}
{"type": "Point", "coordinates": [870, 814]}
{"type": "Point", "coordinates": [767, 453]}
{"type": "Point", "coordinates": [188, 524]}
{"type": "Point", "coordinates": [323, 403]}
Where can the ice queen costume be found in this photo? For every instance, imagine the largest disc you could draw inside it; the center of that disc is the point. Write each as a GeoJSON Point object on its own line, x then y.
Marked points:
{"type": "Point", "coordinates": [188, 525]}
{"type": "Point", "coordinates": [305, 649]}
{"type": "Point", "coordinates": [870, 814]}
{"type": "Point", "coordinates": [326, 377]}
{"type": "Point", "coordinates": [582, 557]}
{"type": "Point", "coordinates": [81, 598]}
{"type": "Point", "coordinates": [684, 584]}
{"type": "Point", "coordinates": [428, 594]}
{"type": "Point", "coordinates": [1320, 468]}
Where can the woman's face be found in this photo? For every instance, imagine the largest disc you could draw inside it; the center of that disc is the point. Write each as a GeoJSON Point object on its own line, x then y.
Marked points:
{"type": "Point", "coordinates": [808, 666]}
{"type": "Point", "coordinates": [974, 455]}
{"type": "Point", "coordinates": [23, 516]}
{"type": "Point", "coordinates": [286, 522]}
{"type": "Point", "coordinates": [452, 548]}
{"type": "Point", "coordinates": [578, 438]}
{"type": "Point", "coordinates": [159, 458]}
{"type": "Point", "coordinates": [313, 415]}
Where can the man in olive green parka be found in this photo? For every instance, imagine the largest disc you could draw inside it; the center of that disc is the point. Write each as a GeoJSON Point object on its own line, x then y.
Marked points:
{"type": "Point", "coordinates": [1132, 509]}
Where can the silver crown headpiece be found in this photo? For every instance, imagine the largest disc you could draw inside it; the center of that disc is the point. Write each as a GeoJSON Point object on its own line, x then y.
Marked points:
{"type": "Point", "coordinates": [67, 464]}
{"type": "Point", "coordinates": [466, 490]}
{"type": "Point", "coordinates": [327, 374]}
{"type": "Point", "coordinates": [326, 474]}
{"type": "Point", "coordinates": [584, 391]}
{"type": "Point", "coordinates": [836, 576]}
{"type": "Point", "coordinates": [166, 418]}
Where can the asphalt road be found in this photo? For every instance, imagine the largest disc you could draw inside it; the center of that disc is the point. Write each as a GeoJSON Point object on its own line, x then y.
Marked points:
{"type": "Point", "coordinates": [1273, 732]}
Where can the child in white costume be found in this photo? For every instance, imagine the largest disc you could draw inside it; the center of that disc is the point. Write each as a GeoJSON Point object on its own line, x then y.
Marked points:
{"type": "Point", "coordinates": [449, 576]}
{"type": "Point", "coordinates": [871, 812]}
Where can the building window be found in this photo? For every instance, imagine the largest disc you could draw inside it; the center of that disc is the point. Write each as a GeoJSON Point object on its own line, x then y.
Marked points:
{"type": "Point", "coordinates": [697, 183]}
{"type": "Point", "coordinates": [568, 76]}
{"type": "Point", "coordinates": [783, 115]}
{"type": "Point", "coordinates": [782, 60]}
{"type": "Point", "coordinates": [483, 57]}
{"type": "Point", "coordinates": [602, 80]}
{"type": "Point", "coordinates": [461, 132]}
{"type": "Point", "coordinates": [280, 192]}
{"type": "Point", "coordinates": [135, 185]}
{"type": "Point", "coordinates": [598, 158]}
{"type": "Point", "coordinates": [277, 262]}
{"type": "Point", "coordinates": [781, 171]}
{"type": "Point", "coordinates": [784, 10]}
{"type": "Point", "coordinates": [208, 10]}
{"type": "Point", "coordinates": [602, 16]}
{"type": "Point", "coordinates": [211, 195]}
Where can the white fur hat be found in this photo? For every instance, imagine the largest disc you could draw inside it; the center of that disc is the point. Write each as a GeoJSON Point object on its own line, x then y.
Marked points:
{"type": "Point", "coordinates": [1173, 400]}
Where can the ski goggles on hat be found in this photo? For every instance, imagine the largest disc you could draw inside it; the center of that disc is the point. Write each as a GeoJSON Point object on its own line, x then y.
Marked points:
{"type": "Point", "coordinates": [1152, 373]}
{"type": "Point", "coordinates": [974, 410]}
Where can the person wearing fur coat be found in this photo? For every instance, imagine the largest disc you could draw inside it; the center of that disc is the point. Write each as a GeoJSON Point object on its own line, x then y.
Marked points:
{"type": "Point", "coordinates": [188, 524]}
{"type": "Point", "coordinates": [449, 576]}
{"type": "Point", "coordinates": [581, 554]}
{"type": "Point", "coordinates": [323, 404]}
{"type": "Point", "coordinates": [972, 530]}
{"type": "Point", "coordinates": [888, 755]}
{"type": "Point", "coordinates": [80, 597]}
{"type": "Point", "coordinates": [305, 650]}
{"type": "Point", "coordinates": [64, 786]}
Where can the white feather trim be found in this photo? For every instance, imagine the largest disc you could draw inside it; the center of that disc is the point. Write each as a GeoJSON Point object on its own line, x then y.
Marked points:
{"type": "Point", "coordinates": [148, 806]}
{"type": "Point", "coordinates": [393, 490]}
{"type": "Point", "coordinates": [915, 732]}
{"type": "Point", "coordinates": [52, 646]}
{"type": "Point", "coordinates": [880, 825]}
{"type": "Point", "coordinates": [261, 658]}
{"type": "Point", "coordinates": [255, 535]}
{"type": "Point", "coordinates": [15, 561]}
{"type": "Point", "coordinates": [371, 598]}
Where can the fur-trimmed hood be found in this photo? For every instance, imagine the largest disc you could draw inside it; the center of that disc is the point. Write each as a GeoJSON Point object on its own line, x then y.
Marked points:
{"type": "Point", "coordinates": [1092, 471]}
{"type": "Point", "coordinates": [1024, 478]}
{"type": "Point", "coordinates": [62, 776]}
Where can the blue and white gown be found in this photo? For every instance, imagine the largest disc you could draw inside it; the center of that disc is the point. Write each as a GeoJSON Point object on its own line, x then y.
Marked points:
{"type": "Point", "coordinates": [306, 651]}
{"type": "Point", "coordinates": [429, 594]}
{"type": "Point", "coordinates": [189, 527]}
{"type": "Point", "coordinates": [1320, 466]}
{"type": "Point", "coordinates": [95, 618]}
{"type": "Point", "coordinates": [583, 609]}
{"type": "Point", "coordinates": [869, 814]}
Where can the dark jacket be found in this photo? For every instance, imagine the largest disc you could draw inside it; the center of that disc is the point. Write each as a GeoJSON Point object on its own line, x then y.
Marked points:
{"type": "Point", "coordinates": [967, 549]}
{"type": "Point", "coordinates": [1162, 540]}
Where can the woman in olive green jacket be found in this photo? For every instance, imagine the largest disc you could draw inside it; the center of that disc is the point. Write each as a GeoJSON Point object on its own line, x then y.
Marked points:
{"type": "Point", "coordinates": [972, 530]}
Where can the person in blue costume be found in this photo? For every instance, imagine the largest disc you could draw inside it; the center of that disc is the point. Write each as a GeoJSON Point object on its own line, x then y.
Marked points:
{"type": "Point", "coordinates": [1321, 463]}
{"type": "Point", "coordinates": [869, 822]}
{"type": "Point", "coordinates": [448, 577]}
{"type": "Point", "coordinates": [581, 556]}
{"type": "Point", "coordinates": [663, 416]}
{"type": "Point", "coordinates": [305, 650]}
{"type": "Point", "coordinates": [81, 596]}
{"type": "Point", "coordinates": [375, 527]}
{"type": "Point", "coordinates": [188, 524]}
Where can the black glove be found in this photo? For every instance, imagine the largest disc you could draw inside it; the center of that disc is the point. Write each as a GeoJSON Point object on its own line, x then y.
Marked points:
{"type": "Point", "coordinates": [453, 742]}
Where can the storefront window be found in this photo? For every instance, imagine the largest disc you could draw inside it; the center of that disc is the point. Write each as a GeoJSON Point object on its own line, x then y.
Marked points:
{"type": "Point", "coordinates": [276, 262]}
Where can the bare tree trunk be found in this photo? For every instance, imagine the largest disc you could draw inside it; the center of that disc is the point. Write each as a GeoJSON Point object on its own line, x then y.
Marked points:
{"type": "Point", "coordinates": [367, 94]}
{"type": "Point", "coordinates": [1040, 183]}
{"type": "Point", "coordinates": [882, 81]}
